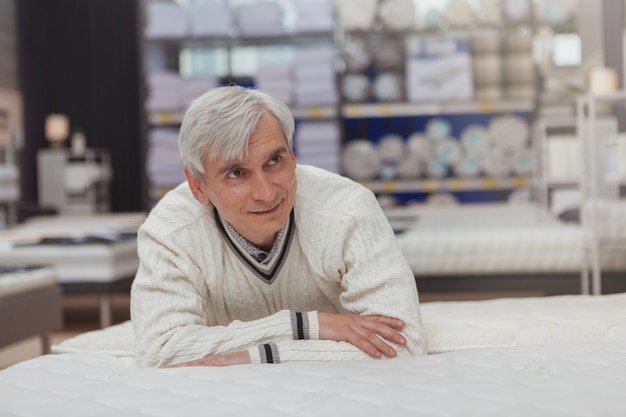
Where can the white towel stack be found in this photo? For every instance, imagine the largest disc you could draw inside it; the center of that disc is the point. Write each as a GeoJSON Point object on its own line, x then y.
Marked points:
{"type": "Point", "coordinates": [314, 17]}
{"type": "Point", "coordinates": [260, 19]}
{"type": "Point", "coordinates": [276, 80]}
{"type": "Point", "coordinates": [166, 20]}
{"type": "Point", "coordinates": [164, 166]}
{"type": "Point", "coordinates": [315, 77]}
{"type": "Point", "coordinates": [211, 19]}
{"type": "Point", "coordinates": [164, 92]}
{"type": "Point", "coordinates": [318, 143]}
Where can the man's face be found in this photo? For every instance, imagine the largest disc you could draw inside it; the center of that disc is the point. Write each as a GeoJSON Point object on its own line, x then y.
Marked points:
{"type": "Point", "coordinates": [254, 194]}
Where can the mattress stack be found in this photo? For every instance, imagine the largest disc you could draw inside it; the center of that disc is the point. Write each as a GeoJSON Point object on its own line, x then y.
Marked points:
{"type": "Point", "coordinates": [81, 248]}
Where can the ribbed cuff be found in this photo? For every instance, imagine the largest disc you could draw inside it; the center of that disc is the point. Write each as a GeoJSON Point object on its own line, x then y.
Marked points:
{"type": "Point", "coordinates": [305, 325]}
{"type": "Point", "coordinates": [314, 325]}
{"type": "Point", "coordinates": [265, 353]}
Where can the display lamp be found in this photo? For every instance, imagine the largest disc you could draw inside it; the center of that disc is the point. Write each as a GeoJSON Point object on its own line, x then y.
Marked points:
{"type": "Point", "coordinates": [57, 129]}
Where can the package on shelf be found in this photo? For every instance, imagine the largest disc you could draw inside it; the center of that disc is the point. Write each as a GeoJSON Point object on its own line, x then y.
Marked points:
{"type": "Point", "coordinates": [276, 80]}
{"type": "Point", "coordinates": [498, 163]}
{"type": "Point", "coordinates": [314, 17]}
{"type": "Point", "coordinates": [195, 87]}
{"type": "Point", "coordinates": [438, 69]}
{"type": "Point", "coordinates": [318, 143]}
{"type": "Point", "coordinates": [467, 167]}
{"type": "Point", "coordinates": [260, 19]}
{"type": "Point", "coordinates": [489, 12]}
{"type": "Point", "coordinates": [360, 160]}
{"type": "Point", "coordinates": [210, 19]}
{"type": "Point", "coordinates": [314, 76]}
{"type": "Point", "coordinates": [164, 166]}
{"type": "Point", "coordinates": [357, 15]}
{"type": "Point", "coordinates": [166, 20]}
{"type": "Point", "coordinates": [460, 13]}
{"type": "Point", "coordinates": [355, 87]}
{"type": "Point", "coordinates": [165, 91]}
{"type": "Point", "coordinates": [397, 15]}
{"type": "Point", "coordinates": [509, 131]}
{"type": "Point", "coordinates": [388, 86]}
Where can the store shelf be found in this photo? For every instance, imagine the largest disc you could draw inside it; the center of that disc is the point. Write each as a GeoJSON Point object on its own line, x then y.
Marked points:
{"type": "Point", "coordinates": [166, 118]}
{"type": "Point", "coordinates": [296, 39]}
{"type": "Point", "coordinates": [448, 184]}
{"type": "Point", "coordinates": [413, 109]}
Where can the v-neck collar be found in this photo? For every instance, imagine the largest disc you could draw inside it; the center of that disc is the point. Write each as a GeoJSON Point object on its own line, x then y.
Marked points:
{"type": "Point", "coordinates": [266, 272]}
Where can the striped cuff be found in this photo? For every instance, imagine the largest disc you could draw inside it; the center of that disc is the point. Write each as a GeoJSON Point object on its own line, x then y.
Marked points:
{"type": "Point", "coordinates": [300, 326]}
{"type": "Point", "coordinates": [266, 353]}
{"type": "Point", "coordinates": [305, 325]}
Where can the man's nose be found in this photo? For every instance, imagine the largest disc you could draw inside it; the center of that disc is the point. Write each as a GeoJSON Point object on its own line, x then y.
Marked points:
{"type": "Point", "coordinates": [262, 188]}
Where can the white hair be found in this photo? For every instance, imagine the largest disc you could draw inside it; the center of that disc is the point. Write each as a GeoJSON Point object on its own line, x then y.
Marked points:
{"type": "Point", "coordinates": [219, 124]}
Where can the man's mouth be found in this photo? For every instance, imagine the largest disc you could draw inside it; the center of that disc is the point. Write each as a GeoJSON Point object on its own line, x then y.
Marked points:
{"type": "Point", "coordinates": [268, 211]}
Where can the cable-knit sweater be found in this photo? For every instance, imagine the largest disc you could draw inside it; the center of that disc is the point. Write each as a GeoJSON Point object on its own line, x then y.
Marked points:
{"type": "Point", "coordinates": [197, 293]}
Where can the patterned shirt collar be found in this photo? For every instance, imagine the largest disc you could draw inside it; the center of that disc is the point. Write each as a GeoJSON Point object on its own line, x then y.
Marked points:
{"type": "Point", "coordinates": [259, 255]}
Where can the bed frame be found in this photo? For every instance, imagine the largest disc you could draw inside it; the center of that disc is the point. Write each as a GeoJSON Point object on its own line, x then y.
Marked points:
{"type": "Point", "coordinates": [30, 313]}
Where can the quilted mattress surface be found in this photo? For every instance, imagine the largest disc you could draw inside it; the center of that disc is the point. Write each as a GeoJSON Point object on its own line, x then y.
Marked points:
{"type": "Point", "coordinates": [549, 380]}
{"type": "Point", "coordinates": [495, 239]}
{"type": "Point", "coordinates": [457, 325]}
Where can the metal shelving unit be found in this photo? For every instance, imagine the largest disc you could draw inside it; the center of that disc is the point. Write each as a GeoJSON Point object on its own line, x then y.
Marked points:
{"type": "Point", "coordinates": [447, 184]}
{"type": "Point", "coordinates": [598, 131]}
{"type": "Point", "coordinates": [544, 129]}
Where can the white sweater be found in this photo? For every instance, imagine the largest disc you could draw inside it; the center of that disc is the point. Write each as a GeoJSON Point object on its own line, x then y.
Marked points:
{"type": "Point", "coordinates": [196, 294]}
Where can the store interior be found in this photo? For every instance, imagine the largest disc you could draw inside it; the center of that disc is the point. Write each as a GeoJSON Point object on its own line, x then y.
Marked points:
{"type": "Point", "coordinates": [492, 132]}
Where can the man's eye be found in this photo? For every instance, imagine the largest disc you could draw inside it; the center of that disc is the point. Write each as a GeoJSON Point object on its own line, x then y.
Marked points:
{"type": "Point", "coordinates": [276, 159]}
{"type": "Point", "coordinates": [236, 173]}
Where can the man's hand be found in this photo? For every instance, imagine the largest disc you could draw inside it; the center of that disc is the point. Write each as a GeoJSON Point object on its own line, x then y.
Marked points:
{"type": "Point", "coordinates": [364, 332]}
{"type": "Point", "coordinates": [224, 359]}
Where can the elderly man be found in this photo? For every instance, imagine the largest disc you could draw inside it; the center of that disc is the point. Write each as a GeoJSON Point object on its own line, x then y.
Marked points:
{"type": "Point", "coordinates": [256, 259]}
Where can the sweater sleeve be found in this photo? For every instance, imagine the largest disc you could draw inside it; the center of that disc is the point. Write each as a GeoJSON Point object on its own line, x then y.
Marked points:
{"type": "Point", "coordinates": [375, 277]}
{"type": "Point", "coordinates": [376, 280]}
{"type": "Point", "coordinates": [168, 312]}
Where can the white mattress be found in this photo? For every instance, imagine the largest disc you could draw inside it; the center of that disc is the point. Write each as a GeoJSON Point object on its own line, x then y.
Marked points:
{"type": "Point", "coordinates": [548, 356]}
{"type": "Point", "coordinates": [457, 325]}
{"type": "Point", "coordinates": [563, 380]}
{"type": "Point", "coordinates": [93, 262]}
{"type": "Point", "coordinates": [76, 263]}
{"type": "Point", "coordinates": [495, 239]}
{"type": "Point", "coordinates": [563, 319]}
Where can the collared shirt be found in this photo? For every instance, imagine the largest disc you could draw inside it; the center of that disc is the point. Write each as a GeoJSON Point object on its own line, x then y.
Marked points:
{"type": "Point", "coordinates": [260, 255]}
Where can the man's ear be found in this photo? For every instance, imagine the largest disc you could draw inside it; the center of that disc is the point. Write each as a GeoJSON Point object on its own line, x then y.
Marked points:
{"type": "Point", "coordinates": [197, 188]}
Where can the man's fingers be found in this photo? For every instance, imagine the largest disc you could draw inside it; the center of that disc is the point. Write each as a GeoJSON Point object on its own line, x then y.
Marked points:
{"type": "Point", "coordinates": [388, 321]}
{"type": "Point", "coordinates": [387, 328]}
{"type": "Point", "coordinates": [371, 334]}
